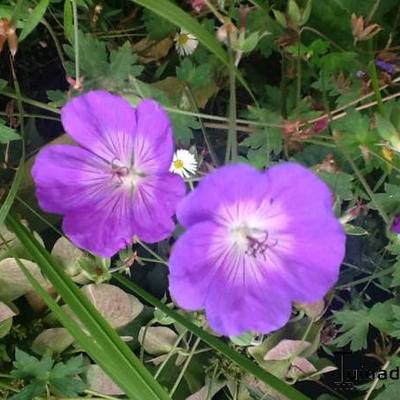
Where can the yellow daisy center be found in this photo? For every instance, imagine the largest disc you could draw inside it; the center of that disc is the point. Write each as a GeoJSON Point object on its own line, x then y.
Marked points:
{"type": "Point", "coordinates": [183, 38]}
{"type": "Point", "coordinates": [178, 164]}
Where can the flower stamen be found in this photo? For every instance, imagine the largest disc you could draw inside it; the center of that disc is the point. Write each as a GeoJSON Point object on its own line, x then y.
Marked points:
{"type": "Point", "coordinates": [257, 246]}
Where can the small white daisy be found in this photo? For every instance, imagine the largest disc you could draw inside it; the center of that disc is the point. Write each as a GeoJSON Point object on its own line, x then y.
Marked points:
{"type": "Point", "coordinates": [185, 43]}
{"type": "Point", "coordinates": [184, 163]}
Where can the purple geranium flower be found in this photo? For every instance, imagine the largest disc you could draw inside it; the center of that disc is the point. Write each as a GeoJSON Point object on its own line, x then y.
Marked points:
{"type": "Point", "coordinates": [385, 66]}
{"type": "Point", "coordinates": [116, 183]}
{"type": "Point", "coordinates": [254, 243]}
{"type": "Point", "coordinates": [396, 224]}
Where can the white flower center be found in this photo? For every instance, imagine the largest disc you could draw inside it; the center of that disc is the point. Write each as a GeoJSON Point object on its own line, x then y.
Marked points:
{"type": "Point", "coordinates": [124, 176]}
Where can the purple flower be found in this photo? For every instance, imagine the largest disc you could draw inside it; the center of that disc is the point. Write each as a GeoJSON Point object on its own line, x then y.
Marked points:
{"type": "Point", "coordinates": [116, 183]}
{"type": "Point", "coordinates": [385, 66]}
{"type": "Point", "coordinates": [254, 243]}
{"type": "Point", "coordinates": [396, 224]}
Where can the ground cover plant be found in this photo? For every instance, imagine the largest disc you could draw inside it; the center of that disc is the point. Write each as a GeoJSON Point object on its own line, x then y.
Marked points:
{"type": "Point", "coordinates": [199, 199]}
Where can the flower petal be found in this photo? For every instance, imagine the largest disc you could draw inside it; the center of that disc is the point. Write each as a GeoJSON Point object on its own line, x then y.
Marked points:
{"type": "Point", "coordinates": [69, 177]}
{"type": "Point", "coordinates": [102, 229]}
{"type": "Point", "coordinates": [153, 139]}
{"type": "Point", "coordinates": [238, 297]}
{"type": "Point", "coordinates": [154, 204]}
{"type": "Point", "coordinates": [247, 301]}
{"type": "Point", "coordinates": [190, 269]}
{"type": "Point", "coordinates": [102, 123]}
{"type": "Point", "coordinates": [220, 189]}
{"type": "Point", "coordinates": [311, 242]}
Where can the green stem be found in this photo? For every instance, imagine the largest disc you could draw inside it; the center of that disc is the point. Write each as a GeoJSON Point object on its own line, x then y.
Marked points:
{"type": "Point", "coordinates": [153, 253]}
{"type": "Point", "coordinates": [170, 354]}
{"type": "Point", "coordinates": [185, 367]}
{"type": "Point", "coordinates": [370, 278]}
{"type": "Point", "coordinates": [298, 88]}
{"type": "Point", "coordinates": [29, 101]}
{"type": "Point", "coordinates": [231, 148]}
{"type": "Point", "coordinates": [375, 86]}
{"type": "Point", "coordinates": [76, 40]}
{"type": "Point", "coordinates": [364, 183]}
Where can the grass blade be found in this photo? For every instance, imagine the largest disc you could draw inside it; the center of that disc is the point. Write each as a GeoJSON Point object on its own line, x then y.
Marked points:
{"type": "Point", "coordinates": [171, 12]}
{"type": "Point", "coordinates": [134, 378]}
{"type": "Point", "coordinates": [242, 361]}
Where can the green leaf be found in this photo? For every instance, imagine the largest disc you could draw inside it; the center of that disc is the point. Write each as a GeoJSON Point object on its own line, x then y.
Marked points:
{"type": "Point", "coordinates": [30, 392]}
{"type": "Point", "coordinates": [157, 27]}
{"type": "Point", "coordinates": [195, 76]}
{"type": "Point", "coordinates": [175, 15]}
{"type": "Point", "coordinates": [7, 134]}
{"type": "Point", "coordinates": [294, 12]}
{"type": "Point", "coordinates": [123, 63]}
{"type": "Point", "coordinates": [391, 392]}
{"type": "Point", "coordinates": [396, 275]}
{"type": "Point", "coordinates": [280, 17]}
{"type": "Point", "coordinates": [217, 344]}
{"type": "Point", "coordinates": [355, 324]}
{"type": "Point", "coordinates": [34, 19]}
{"type": "Point", "coordinates": [92, 56]}
{"type": "Point", "coordinates": [28, 367]}
{"type": "Point", "coordinates": [387, 131]}
{"type": "Point", "coordinates": [68, 21]}
{"type": "Point", "coordinates": [340, 183]}
{"type": "Point", "coordinates": [353, 230]}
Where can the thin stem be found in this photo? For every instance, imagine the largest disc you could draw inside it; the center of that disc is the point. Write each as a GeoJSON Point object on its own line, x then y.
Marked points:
{"type": "Point", "coordinates": [370, 278]}
{"type": "Point", "coordinates": [56, 42]}
{"type": "Point", "coordinates": [29, 101]}
{"type": "Point", "coordinates": [375, 85]}
{"type": "Point", "coordinates": [149, 250]}
{"type": "Point", "coordinates": [372, 12]}
{"type": "Point", "coordinates": [170, 354]}
{"type": "Point", "coordinates": [76, 41]}
{"type": "Point", "coordinates": [376, 380]}
{"type": "Point", "coordinates": [219, 16]}
{"type": "Point", "coordinates": [298, 88]}
{"type": "Point", "coordinates": [231, 148]}
{"type": "Point", "coordinates": [185, 367]}
{"type": "Point", "coordinates": [34, 212]}
{"type": "Point", "coordinates": [364, 183]}
{"type": "Point", "coordinates": [28, 115]}
{"type": "Point", "coordinates": [211, 151]}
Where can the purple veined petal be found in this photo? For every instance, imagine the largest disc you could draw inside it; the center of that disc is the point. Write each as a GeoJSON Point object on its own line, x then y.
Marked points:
{"type": "Point", "coordinates": [69, 177]}
{"type": "Point", "coordinates": [298, 190]}
{"type": "Point", "coordinates": [102, 123]}
{"type": "Point", "coordinates": [311, 243]}
{"type": "Point", "coordinates": [153, 138]}
{"type": "Point", "coordinates": [396, 224]}
{"type": "Point", "coordinates": [104, 228]}
{"type": "Point", "coordinates": [190, 265]}
{"type": "Point", "coordinates": [280, 234]}
{"type": "Point", "coordinates": [238, 296]}
{"type": "Point", "coordinates": [154, 204]}
{"type": "Point", "coordinates": [309, 260]}
{"type": "Point", "coordinates": [219, 189]}
{"type": "Point", "coordinates": [256, 302]}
